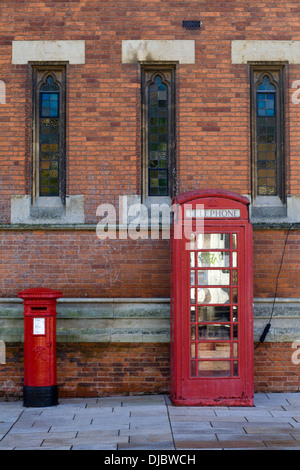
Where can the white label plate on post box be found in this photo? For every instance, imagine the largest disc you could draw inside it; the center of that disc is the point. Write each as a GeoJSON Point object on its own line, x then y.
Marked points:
{"type": "Point", "coordinates": [39, 326]}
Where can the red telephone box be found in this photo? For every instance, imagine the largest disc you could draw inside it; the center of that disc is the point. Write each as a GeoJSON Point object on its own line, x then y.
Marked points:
{"type": "Point", "coordinates": [211, 300]}
{"type": "Point", "coordinates": [40, 385]}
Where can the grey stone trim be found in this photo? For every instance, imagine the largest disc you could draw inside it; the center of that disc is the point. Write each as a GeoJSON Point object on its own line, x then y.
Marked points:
{"type": "Point", "coordinates": [285, 322]}
{"type": "Point", "coordinates": [139, 320]}
{"type": "Point", "coordinates": [49, 213]}
{"type": "Point", "coordinates": [96, 320]}
{"type": "Point", "coordinates": [272, 211]}
{"type": "Point", "coordinates": [47, 210]}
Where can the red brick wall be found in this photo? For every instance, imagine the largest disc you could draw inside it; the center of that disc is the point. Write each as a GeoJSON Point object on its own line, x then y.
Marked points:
{"type": "Point", "coordinates": [96, 369]}
{"type": "Point", "coordinates": [274, 370]}
{"type": "Point", "coordinates": [113, 369]}
{"type": "Point", "coordinates": [101, 369]}
{"type": "Point", "coordinates": [268, 248]}
{"type": "Point", "coordinates": [12, 373]}
{"type": "Point", "coordinates": [81, 265]}
{"type": "Point", "coordinates": [103, 131]}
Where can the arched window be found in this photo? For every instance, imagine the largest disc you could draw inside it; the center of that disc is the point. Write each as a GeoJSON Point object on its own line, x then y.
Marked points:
{"type": "Point", "coordinates": [266, 138]}
{"type": "Point", "coordinates": [48, 179]}
{"type": "Point", "coordinates": [158, 139]}
{"type": "Point", "coordinates": [267, 134]}
{"type": "Point", "coordinates": [49, 141]}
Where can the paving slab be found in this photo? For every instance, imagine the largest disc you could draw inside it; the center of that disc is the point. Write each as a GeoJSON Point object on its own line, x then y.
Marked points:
{"type": "Point", "coordinates": [151, 423]}
{"type": "Point", "coordinates": [217, 445]}
{"type": "Point", "coordinates": [158, 446]}
{"type": "Point", "coordinates": [261, 428]}
{"type": "Point", "coordinates": [56, 441]}
{"type": "Point", "coordinates": [92, 447]}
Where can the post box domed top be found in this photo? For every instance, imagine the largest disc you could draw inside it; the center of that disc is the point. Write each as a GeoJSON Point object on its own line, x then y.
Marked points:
{"type": "Point", "coordinates": [40, 293]}
{"type": "Point", "coordinates": [210, 193]}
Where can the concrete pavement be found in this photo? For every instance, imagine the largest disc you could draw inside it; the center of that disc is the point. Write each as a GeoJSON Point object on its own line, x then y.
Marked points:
{"type": "Point", "coordinates": [151, 423]}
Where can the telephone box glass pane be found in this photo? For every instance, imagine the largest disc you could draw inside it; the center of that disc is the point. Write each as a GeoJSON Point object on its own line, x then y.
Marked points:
{"type": "Point", "coordinates": [214, 331]}
{"type": "Point", "coordinates": [193, 332]}
{"type": "Point", "coordinates": [202, 277]}
{"type": "Point", "coordinates": [213, 259]}
{"type": "Point", "coordinates": [214, 369]}
{"type": "Point", "coordinates": [234, 295]}
{"type": "Point", "coordinates": [234, 241]}
{"type": "Point", "coordinates": [213, 314]}
{"type": "Point", "coordinates": [234, 313]}
{"type": "Point", "coordinates": [235, 332]}
{"type": "Point", "coordinates": [192, 241]}
{"type": "Point", "coordinates": [213, 240]}
{"type": "Point", "coordinates": [215, 277]}
{"type": "Point", "coordinates": [193, 314]}
{"type": "Point", "coordinates": [213, 295]}
{"type": "Point", "coordinates": [214, 350]}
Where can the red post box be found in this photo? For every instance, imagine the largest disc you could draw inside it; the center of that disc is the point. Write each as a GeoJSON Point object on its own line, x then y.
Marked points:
{"type": "Point", "coordinates": [40, 385]}
{"type": "Point", "coordinates": [211, 300]}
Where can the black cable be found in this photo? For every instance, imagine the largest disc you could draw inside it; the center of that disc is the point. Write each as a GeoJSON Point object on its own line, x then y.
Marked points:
{"type": "Point", "coordinates": [267, 327]}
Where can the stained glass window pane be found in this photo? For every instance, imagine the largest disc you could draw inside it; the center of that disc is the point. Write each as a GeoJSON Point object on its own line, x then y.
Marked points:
{"type": "Point", "coordinates": [49, 141]}
{"type": "Point", "coordinates": [266, 84]}
{"type": "Point", "coordinates": [158, 138]}
{"type": "Point", "coordinates": [266, 138]}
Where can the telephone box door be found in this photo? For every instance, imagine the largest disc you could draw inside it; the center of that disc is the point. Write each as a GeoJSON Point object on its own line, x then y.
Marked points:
{"type": "Point", "coordinates": [212, 332]}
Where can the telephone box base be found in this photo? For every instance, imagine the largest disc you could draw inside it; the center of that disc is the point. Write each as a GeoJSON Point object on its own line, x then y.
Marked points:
{"type": "Point", "coordinates": [40, 396]}
{"type": "Point", "coordinates": [212, 402]}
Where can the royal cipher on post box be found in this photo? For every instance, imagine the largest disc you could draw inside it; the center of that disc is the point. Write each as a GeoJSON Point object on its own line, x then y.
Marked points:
{"type": "Point", "coordinates": [211, 300]}
{"type": "Point", "coordinates": [40, 382]}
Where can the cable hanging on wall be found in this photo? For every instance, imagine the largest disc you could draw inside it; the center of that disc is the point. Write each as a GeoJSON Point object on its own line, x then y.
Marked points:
{"type": "Point", "coordinates": [268, 325]}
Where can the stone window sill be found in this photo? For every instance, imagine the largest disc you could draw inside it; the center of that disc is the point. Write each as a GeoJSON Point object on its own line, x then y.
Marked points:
{"type": "Point", "coordinates": [47, 210]}
{"type": "Point", "coordinates": [270, 210]}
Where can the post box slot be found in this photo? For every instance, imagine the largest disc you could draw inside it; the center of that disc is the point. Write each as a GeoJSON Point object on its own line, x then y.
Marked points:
{"type": "Point", "coordinates": [38, 308]}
